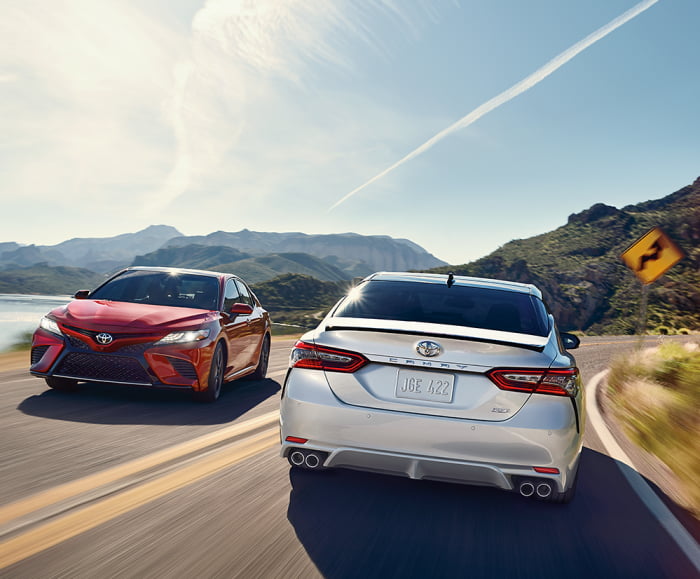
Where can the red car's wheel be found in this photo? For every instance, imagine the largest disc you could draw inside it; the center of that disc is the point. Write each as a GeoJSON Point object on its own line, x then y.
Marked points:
{"type": "Point", "coordinates": [216, 377]}
{"type": "Point", "coordinates": [64, 384]}
{"type": "Point", "coordinates": [261, 370]}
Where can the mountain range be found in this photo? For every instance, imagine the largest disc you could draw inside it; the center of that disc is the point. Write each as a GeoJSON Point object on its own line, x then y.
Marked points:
{"type": "Point", "coordinates": [256, 256]}
{"type": "Point", "coordinates": [298, 276]}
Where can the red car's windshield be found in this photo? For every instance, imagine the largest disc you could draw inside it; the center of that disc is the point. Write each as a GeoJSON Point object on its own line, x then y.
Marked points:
{"type": "Point", "coordinates": [162, 288]}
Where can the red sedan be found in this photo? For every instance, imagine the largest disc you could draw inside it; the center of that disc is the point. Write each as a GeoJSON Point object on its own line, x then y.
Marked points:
{"type": "Point", "coordinates": [156, 327]}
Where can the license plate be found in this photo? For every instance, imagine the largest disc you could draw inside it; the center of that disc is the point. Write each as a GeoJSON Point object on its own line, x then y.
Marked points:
{"type": "Point", "coordinates": [430, 386]}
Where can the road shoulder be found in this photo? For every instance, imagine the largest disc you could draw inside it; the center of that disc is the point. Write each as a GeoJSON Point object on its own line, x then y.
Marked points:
{"type": "Point", "coordinates": [654, 473]}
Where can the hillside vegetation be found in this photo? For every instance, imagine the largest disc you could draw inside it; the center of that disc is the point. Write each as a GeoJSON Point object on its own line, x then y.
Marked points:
{"type": "Point", "coordinates": [253, 269]}
{"type": "Point", "coordinates": [43, 280]}
{"type": "Point", "coordinates": [655, 395]}
{"type": "Point", "coordinates": [299, 300]}
{"type": "Point", "coordinates": [584, 281]}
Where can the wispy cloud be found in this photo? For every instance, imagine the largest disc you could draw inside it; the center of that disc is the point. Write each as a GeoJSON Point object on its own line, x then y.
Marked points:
{"type": "Point", "coordinates": [160, 113]}
{"type": "Point", "coordinates": [245, 54]}
{"type": "Point", "coordinates": [85, 107]}
{"type": "Point", "coordinates": [536, 77]}
{"type": "Point", "coordinates": [237, 50]}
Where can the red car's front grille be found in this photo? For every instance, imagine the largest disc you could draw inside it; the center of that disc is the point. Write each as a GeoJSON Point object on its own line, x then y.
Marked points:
{"type": "Point", "coordinates": [77, 343]}
{"type": "Point", "coordinates": [89, 339]}
{"type": "Point", "coordinates": [103, 367]}
{"type": "Point", "coordinates": [135, 348]}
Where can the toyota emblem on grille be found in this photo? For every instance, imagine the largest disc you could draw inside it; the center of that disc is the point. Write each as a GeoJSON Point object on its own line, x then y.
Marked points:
{"type": "Point", "coordinates": [104, 338]}
{"type": "Point", "coordinates": [428, 349]}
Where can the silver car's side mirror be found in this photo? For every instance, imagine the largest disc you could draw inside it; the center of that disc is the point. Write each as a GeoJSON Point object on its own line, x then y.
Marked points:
{"type": "Point", "coordinates": [570, 341]}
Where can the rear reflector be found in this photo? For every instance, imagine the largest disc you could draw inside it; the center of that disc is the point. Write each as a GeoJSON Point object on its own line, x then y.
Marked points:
{"type": "Point", "coordinates": [545, 470]}
{"type": "Point", "coordinates": [296, 439]}
{"type": "Point", "coordinates": [559, 382]}
{"type": "Point", "coordinates": [306, 355]}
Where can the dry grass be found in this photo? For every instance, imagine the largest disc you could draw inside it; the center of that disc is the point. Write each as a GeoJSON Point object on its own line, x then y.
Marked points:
{"type": "Point", "coordinates": [656, 395]}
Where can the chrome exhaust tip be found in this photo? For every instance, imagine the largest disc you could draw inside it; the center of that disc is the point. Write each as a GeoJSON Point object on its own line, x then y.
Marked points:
{"type": "Point", "coordinates": [296, 457]}
{"type": "Point", "coordinates": [526, 489]}
{"type": "Point", "coordinates": [312, 460]}
{"type": "Point", "coordinates": [544, 490]}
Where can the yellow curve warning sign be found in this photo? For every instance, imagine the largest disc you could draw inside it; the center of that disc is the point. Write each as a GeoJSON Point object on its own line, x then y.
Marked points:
{"type": "Point", "coordinates": [652, 255]}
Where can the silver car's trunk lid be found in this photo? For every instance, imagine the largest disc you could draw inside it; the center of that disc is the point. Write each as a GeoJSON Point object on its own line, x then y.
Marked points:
{"type": "Point", "coordinates": [452, 383]}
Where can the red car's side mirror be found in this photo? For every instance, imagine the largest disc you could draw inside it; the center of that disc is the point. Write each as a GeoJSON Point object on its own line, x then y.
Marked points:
{"type": "Point", "coordinates": [81, 294]}
{"type": "Point", "coordinates": [239, 309]}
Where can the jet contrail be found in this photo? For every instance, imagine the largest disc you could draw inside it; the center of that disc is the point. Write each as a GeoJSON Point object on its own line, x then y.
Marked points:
{"type": "Point", "coordinates": [510, 93]}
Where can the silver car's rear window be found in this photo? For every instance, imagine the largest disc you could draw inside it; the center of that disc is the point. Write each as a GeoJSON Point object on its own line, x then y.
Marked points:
{"type": "Point", "coordinates": [475, 307]}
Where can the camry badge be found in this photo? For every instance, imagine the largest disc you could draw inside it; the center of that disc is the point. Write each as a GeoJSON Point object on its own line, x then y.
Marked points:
{"type": "Point", "coordinates": [428, 349]}
{"type": "Point", "coordinates": [104, 338]}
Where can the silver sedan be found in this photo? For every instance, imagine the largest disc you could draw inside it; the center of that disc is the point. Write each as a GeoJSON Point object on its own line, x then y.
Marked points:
{"type": "Point", "coordinates": [438, 377]}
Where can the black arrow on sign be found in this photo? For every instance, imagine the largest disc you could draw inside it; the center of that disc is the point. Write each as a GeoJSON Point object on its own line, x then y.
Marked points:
{"type": "Point", "coordinates": [652, 254]}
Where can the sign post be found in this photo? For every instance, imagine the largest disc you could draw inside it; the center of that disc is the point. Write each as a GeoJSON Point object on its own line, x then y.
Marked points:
{"type": "Point", "coordinates": [649, 258]}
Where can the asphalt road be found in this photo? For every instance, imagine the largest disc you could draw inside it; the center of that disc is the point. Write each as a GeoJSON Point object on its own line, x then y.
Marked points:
{"type": "Point", "coordinates": [114, 482]}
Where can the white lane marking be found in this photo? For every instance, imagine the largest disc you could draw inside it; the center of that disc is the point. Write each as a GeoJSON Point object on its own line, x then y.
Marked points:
{"type": "Point", "coordinates": [668, 521]}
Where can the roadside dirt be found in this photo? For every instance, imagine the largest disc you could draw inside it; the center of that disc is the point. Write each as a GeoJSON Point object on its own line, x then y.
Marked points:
{"type": "Point", "coordinates": [10, 361]}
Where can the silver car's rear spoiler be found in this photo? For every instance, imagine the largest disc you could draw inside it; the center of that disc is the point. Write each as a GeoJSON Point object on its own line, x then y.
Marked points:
{"type": "Point", "coordinates": [526, 341]}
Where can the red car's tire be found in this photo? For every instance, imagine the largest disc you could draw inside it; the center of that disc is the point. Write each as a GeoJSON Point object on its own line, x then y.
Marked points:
{"type": "Point", "coordinates": [63, 384]}
{"type": "Point", "coordinates": [263, 361]}
{"type": "Point", "coordinates": [216, 377]}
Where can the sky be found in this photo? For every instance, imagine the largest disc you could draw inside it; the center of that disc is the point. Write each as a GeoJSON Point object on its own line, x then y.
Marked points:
{"type": "Point", "coordinates": [457, 124]}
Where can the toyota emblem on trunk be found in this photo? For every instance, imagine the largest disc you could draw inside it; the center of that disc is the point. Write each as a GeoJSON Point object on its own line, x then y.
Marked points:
{"type": "Point", "coordinates": [104, 338]}
{"type": "Point", "coordinates": [428, 349]}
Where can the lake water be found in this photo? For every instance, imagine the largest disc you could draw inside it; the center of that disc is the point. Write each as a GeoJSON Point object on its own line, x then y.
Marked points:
{"type": "Point", "coordinates": [21, 313]}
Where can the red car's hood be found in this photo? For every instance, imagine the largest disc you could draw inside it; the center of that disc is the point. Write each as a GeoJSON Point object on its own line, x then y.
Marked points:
{"type": "Point", "coordinates": [102, 315]}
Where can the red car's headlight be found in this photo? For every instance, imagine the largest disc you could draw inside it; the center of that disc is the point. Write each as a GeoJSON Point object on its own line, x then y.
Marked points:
{"type": "Point", "coordinates": [50, 326]}
{"type": "Point", "coordinates": [184, 337]}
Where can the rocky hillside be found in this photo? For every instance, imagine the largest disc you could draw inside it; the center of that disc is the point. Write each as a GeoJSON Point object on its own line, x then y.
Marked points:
{"type": "Point", "coordinates": [97, 254]}
{"type": "Point", "coordinates": [585, 283]}
{"type": "Point", "coordinates": [253, 269]}
{"type": "Point", "coordinates": [353, 253]}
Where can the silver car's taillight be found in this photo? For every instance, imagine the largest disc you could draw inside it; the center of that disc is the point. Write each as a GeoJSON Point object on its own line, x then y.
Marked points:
{"type": "Point", "coordinates": [559, 382]}
{"type": "Point", "coordinates": [311, 356]}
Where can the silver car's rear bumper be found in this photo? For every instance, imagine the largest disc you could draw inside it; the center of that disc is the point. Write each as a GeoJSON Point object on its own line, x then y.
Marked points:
{"type": "Point", "coordinates": [542, 434]}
